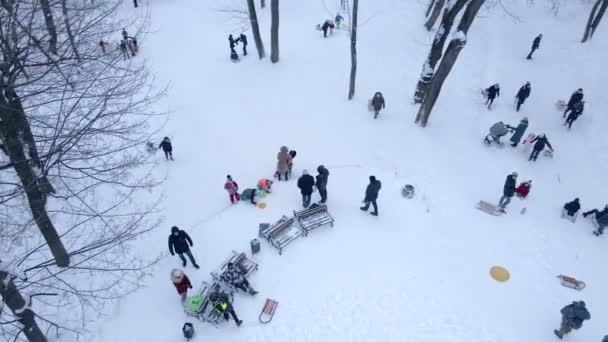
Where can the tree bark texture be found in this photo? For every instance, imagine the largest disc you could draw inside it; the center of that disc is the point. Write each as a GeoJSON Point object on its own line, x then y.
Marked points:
{"type": "Point", "coordinates": [447, 62]}
{"type": "Point", "coordinates": [430, 22]}
{"type": "Point", "coordinates": [353, 50]}
{"type": "Point", "coordinates": [50, 25]}
{"type": "Point", "coordinates": [274, 31]}
{"type": "Point", "coordinates": [255, 28]}
{"type": "Point", "coordinates": [595, 17]}
{"type": "Point", "coordinates": [263, 3]}
{"type": "Point", "coordinates": [441, 36]}
{"type": "Point", "coordinates": [18, 140]}
{"type": "Point", "coordinates": [68, 28]}
{"type": "Point", "coordinates": [429, 8]}
{"type": "Point", "coordinates": [20, 307]}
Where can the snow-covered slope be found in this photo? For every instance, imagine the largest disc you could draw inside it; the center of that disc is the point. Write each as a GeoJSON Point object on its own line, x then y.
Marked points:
{"type": "Point", "coordinates": [418, 272]}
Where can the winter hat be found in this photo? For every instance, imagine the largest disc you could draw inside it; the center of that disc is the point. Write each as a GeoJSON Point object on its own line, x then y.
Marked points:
{"type": "Point", "coordinates": [304, 172]}
{"type": "Point", "coordinates": [576, 199]}
{"type": "Point", "coordinates": [174, 229]}
{"type": "Point", "coordinates": [177, 275]}
{"type": "Point", "coordinates": [514, 174]}
{"type": "Point", "coordinates": [580, 90]}
{"type": "Point", "coordinates": [372, 178]}
{"type": "Point", "coordinates": [320, 168]}
{"type": "Point", "coordinates": [229, 177]}
{"type": "Point", "coordinates": [525, 119]}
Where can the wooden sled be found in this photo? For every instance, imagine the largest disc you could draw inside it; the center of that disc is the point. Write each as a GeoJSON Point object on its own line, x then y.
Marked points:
{"type": "Point", "coordinates": [489, 208]}
{"type": "Point", "coordinates": [268, 311]}
{"type": "Point", "coordinates": [571, 282]}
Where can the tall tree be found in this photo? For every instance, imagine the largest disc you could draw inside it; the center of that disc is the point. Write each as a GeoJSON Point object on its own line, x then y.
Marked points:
{"type": "Point", "coordinates": [20, 308]}
{"type": "Point", "coordinates": [255, 28]}
{"type": "Point", "coordinates": [441, 36]}
{"type": "Point", "coordinates": [430, 22]}
{"type": "Point", "coordinates": [274, 31]}
{"type": "Point", "coordinates": [353, 50]}
{"type": "Point", "coordinates": [263, 3]}
{"type": "Point", "coordinates": [595, 17]}
{"type": "Point", "coordinates": [50, 25]}
{"type": "Point", "coordinates": [429, 7]}
{"type": "Point", "coordinates": [457, 43]}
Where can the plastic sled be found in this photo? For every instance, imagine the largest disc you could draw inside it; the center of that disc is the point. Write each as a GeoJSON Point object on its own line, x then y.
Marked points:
{"type": "Point", "coordinates": [489, 208]}
{"type": "Point", "coordinates": [268, 311]}
{"type": "Point", "coordinates": [571, 282]}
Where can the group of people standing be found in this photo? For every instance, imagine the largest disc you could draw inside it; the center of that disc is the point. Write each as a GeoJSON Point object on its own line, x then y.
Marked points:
{"type": "Point", "coordinates": [128, 45]}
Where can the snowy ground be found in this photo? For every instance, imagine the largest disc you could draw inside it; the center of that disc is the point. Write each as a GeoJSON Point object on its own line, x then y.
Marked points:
{"type": "Point", "coordinates": [418, 272]}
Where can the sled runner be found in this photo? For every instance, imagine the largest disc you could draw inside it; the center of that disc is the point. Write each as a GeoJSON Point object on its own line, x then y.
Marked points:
{"type": "Point", "coordinates": [571, 282]}
{"type": "Point", "coordinates": [268, 311]}
{"type": "Point", "coordinates": [489, 208]}
{"type": "Point", "coordinates": [313, 217]}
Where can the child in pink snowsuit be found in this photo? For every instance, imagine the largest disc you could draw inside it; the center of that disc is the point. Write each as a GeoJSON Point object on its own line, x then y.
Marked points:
{"type": "Point", "coordinates": [232, 188]}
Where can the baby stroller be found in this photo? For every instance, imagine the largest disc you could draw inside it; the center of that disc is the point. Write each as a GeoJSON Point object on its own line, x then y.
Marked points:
{"type": "Point", "coordinates": [200, 307]}
{"type": "Point", "coordinates": [497, 131]}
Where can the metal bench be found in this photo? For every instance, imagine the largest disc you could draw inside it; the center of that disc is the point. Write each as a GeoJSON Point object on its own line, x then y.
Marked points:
{"type": "Point", "coordinates": [313, 217]}
{"type": "Point", "coordinates": [205, 311]}
{"type": "Point", "coordinates": [281, 233]}
{"type": "Point", "coordinates": [241, 262]}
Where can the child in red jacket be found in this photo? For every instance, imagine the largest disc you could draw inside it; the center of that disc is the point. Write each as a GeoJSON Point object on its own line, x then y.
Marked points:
{"type": "Point", "coordinates": [181, 282]}
{"type": "Point", "coordinates": [523, 189]}
{"type": "Point", "coordinates": [232, 188]}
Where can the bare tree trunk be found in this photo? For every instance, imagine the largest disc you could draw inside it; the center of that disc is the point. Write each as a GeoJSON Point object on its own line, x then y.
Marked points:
{"type": "Point", "coordinates": [353, 50]}
{"type": "Point", "coordinates": [274, 31]}
{"type": "Point", "coordinates": [595, 17]}
{"type": "Point", "coordinates": [68, 28]}
{"type": "Point", "coordinates": [17, 138]}
{"type": "Point", "coordinates": [20, 308]}
{"type": "Point", "coordinates": [457, 43]}
{"type": "Point", "coordinates": [428, 9]}
{"type": "Point", "coordinates": [50, 25]}
{"type": "Point", "coordinates": [263, 3]}
{"type": "Point", "coordinates": [439, 4]}
{"type": "Point", "coordinates": [441, 36]}
{"type": "Point", "coordinates": [255, 28]}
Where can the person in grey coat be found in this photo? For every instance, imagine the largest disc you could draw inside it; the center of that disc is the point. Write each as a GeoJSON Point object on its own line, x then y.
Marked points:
{"type": "Point", "coordinates": [573, 316]}
{"type": "Point", "coordinates": [519, 132]}
{"type": "Point", "coordinates": [321, 182]}
{"type": "Point", "coordinates": [283, 161]}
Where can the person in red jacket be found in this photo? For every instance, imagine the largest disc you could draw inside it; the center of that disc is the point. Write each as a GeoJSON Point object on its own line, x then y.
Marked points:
{"type": "Point", "coordinates": [523, 189]}
{"type": "Point", "coordinates": [232, 188]}
{"type": "Point", "coordinates": [181, 282]}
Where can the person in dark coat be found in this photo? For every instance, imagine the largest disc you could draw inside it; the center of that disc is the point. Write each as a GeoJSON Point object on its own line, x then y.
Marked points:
{"type": "Point", "coordinates": [221, 304]}
{"type": "Point", "coordinates": [235, 276]}
{"type": "Point", "coordinates": [180, 243]}
{"type": "Point", "coordinates": [249, 195]}
{"type": "Point", "coordinates": [306, 182]}
{"type": "Point", "coordinates": [125, 35]}
{"type": "Point", "coordinates": [519, 132]}
{"type": "Point", "coordinates": [371, 195]}
{"type": "Point", "coordinates": [378, 103]}
{"type": "Point", "coordinates": [292, 155]}
{"type": "Point", "coordinates": [492, 92]}
{"type": "Point", "coordinates": [577, 111]}
{"type": "Point", "coordinates": [575, 98]}
{"type": "Point", "coordinates": [321, 182]}
{"type": "Point", "coordinates": [508, 191]}
{"type": "Point", "coordinates": [535, 45]}
{"type": "Point", "coordinates": [573, 207]}
{"type": "Point", "coordinates": [243, 39]}
{"type": "Point", "coordinates": [135, 3]}
{"type": "Point", "coordinates": [573, 316]}
{"type": "Point", "coordinates": [232, 42]}
{"type": "Point", "coordinates": [522, 95]}
{"type": "Point", "coordinates": [123, 49]}
{"type": "Point", "coordinates": [598, 213]}
{"type": "Point", "coordinates": [605, 339]}
{"type": "Point", "coordinates": [327, 25]}
{"type": "Point", "coordinates": [540, 142]}
{"type": "Point", "coordinates": [167, 148]}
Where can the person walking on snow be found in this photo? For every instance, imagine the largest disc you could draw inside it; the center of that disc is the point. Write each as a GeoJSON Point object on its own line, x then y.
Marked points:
{"type": "Point", "coordinates": [519, 132]}
{"type": "Point", "coordinates": [522, 95]}
{"type": "Point", "coordinates": [123, 50]}
{"type": "Point", "coordinates": [378, 103]}
{"type": "Point", "coordinates": [235, 276]}
{"type": "Point", "coordinates": [181, 283]}
{"type": "Point", "coordinates": [338, 20]}
{"type": "Point", "coordinates": [597, 213]}
{"type": "Point", "coordinates": [306, 182]}
{"type": "Point", "coordinates": [167, 148]}
{"type": "Point", "coordinates": [371, 195]}
{"type": "Point", "coordinates": [573, 207]}
{"type": "Point", "coordinates": [103, 45]}
{"type": "Point", "coordinates": [232, 188]}
{"type": "Point", "coordinates": [283, 161]}
{"type": "Point", "coordinates": [243, 39]}
{"type": "Point", "coordinates": [327, 25]}
{"type": "Point", "coordinates": [492, 92]}
{"type": "Point", "coordinates": [577, 111]}
{"type": "Point", "coordinates": [541, 141]}
{"type": "Point", "coordinates": [180, 243]}
{"type": "Point", "coordinates": [535, 45]}
{"type": "Point", "coordinates": [575, 98]}
{"type": "Point", "coordinates": [232, 44]}
{"type": "Point", "coordinates": [508, 191]}
{"type": "Point", "coordinates": [221, 304]}
{"type": "Point", "coordinates": [125, 35]}
{"type": "Point", "coordinates": [321, 182]}
{"type": "Point", "coordinates": [523, 189]}
{"type": "Point", "coordinates": [573, 316]}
